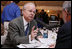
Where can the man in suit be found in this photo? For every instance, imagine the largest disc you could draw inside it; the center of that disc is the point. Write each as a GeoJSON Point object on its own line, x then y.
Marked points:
{"type": "Point", "coordinates": [64, 33]}
{"type": "Point", "coordinates": [23, 30]}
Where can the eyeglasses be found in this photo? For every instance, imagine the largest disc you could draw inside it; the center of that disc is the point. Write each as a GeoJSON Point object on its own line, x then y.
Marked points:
{"type": "Point", "coordinates": [31, 11]}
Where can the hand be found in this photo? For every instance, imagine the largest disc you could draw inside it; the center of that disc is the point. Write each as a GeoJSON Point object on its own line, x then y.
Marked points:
{"type": "Point", "coordinates": [34, 33]}
{"type": "Point", "coordinates": [52, 46]}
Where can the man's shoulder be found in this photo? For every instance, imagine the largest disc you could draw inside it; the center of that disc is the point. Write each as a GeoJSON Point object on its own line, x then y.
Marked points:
{"type": "Point", "coordinates": [16, 19]}
{"type": "Point", "coordinates": [66, 26]}
{"type": "Point", "coordinates": [34, 21]}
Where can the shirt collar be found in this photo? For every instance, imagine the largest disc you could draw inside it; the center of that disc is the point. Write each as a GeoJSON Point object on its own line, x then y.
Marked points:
{"type": "Point", "coordinates": [25, 22]}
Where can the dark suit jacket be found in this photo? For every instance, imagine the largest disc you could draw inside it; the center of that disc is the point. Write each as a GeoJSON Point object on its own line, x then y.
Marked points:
{"type": "Point", "coordinates": [16, 34]}
{"type": "Point", "coordinates": [64, 36]}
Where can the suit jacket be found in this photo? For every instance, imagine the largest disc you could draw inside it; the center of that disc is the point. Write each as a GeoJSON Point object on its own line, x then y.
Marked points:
{"type": "Point", "coordinates": [64, 36]}
{"type": "Point", "coordinates": [16, 33]}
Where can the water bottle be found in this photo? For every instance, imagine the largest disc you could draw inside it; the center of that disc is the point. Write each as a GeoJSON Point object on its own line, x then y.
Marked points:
{"type": "Point", "coordinates": [45, 33]}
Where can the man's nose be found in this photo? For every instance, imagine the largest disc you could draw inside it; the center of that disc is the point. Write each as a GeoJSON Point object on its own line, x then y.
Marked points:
{"type": "Point", "coordinates": [32, 13]}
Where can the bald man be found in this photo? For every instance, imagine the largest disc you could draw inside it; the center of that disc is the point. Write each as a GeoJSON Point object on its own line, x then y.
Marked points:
{"type": "Point", "coordinates": [23, 29]}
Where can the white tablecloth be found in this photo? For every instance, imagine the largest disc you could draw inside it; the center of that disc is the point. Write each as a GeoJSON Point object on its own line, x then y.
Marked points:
{"type": "Point", "coordinates": [43, 42]}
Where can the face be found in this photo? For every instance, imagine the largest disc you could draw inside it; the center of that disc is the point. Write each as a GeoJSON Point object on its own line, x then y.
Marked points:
{"type": "Point", "coordinates": [29, 13]}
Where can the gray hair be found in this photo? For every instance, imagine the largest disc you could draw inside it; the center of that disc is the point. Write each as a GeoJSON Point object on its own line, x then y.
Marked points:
{"type": "Point", "coordinates": [67, 6]}
{"type": "Point", "coordinates": [27, 4]}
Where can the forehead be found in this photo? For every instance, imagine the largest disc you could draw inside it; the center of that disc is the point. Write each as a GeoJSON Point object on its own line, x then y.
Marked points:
{"type": "Point", "coordinates": [30, 7]}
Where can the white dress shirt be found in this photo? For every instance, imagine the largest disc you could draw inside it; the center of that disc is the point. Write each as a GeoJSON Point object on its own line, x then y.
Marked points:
{"type": "Point", "coordinates": [25, 26]}
{"type": "Point", "coordinates": [25, 23]}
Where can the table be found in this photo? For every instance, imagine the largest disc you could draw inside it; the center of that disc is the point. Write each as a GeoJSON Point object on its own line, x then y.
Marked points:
{"type": "Point", "coordinates": [43, 42]}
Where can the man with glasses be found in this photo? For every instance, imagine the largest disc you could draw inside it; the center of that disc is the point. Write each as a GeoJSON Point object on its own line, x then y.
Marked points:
{"type": "Point", "coordinates": [23, 30]}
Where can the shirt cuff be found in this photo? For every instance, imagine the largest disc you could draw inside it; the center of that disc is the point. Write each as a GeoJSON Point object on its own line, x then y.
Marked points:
{"type": "Point", "coordinates": [29, 38]}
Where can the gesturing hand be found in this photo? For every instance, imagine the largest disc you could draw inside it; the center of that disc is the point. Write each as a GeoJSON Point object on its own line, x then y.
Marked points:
{"type": "Point", "coordinates": [34, 33]}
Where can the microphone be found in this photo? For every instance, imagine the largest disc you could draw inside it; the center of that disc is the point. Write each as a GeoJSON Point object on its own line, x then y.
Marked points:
{"type": "Point", "coordinates": [46, 25]}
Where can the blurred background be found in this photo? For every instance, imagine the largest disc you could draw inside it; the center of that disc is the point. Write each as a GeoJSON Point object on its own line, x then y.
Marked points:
{"type": "Point", "coordinates": [46, 11]}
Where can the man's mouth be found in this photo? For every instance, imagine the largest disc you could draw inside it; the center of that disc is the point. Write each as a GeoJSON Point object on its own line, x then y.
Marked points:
{"type": "Point", "coordinates": [31, 17]}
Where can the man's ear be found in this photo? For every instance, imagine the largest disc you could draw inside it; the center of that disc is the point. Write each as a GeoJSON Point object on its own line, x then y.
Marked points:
{"type": "Point", "coordinates": [66, 12]}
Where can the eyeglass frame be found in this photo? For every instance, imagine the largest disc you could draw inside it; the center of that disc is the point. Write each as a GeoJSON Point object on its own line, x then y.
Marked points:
{"type": "Point", "coordinates": [31, 11]}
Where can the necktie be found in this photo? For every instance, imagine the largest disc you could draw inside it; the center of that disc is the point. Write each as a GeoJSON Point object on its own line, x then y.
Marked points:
{"type": "Point", "coordinates": [27, 29]}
